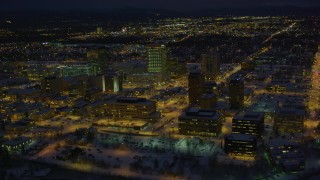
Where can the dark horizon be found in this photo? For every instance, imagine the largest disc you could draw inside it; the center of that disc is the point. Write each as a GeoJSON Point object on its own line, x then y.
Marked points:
{"type": "Point", "coordinates": [139, 12]}
{"type": "Point", "coordinates": [172, 5]}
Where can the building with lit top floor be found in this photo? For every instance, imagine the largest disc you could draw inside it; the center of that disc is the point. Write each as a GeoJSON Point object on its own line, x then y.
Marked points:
{"type": "Point", "coordinates": [200, 122]}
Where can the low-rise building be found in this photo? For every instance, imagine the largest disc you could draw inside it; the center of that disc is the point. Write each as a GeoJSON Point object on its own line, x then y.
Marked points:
{"type": "Point", "coordinates": [289, 120]}
{"type": "Point", "coordinates": [18, 128]}
{"type": "Point", "coordinates": [43, 114]}
{"type": "Point", "coordinates": [251, 123]}
{"type": "Point", "coordinates": [128, 107]}
{"type": "Point", "coordinates": [286, 155]}
{"type": "Point", "coordinates": [18, 144]}
{"type": "Point", "coordinates": [45, 131]}
{"type": "Point", "coordinates": [241, 146]}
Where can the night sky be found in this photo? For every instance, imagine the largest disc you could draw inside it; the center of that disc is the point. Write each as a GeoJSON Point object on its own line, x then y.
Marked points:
{"type": "Point", "coordinates": [152, 4]}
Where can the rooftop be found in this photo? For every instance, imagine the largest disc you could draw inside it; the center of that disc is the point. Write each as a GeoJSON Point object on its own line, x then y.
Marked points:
{"type": "Point", "coordinates": [241, 137]}
{"type": "Point", "coordinates": [290, 111]}
{"type": "Point", "coordinates": [252, 116]}
{"type": "Point", "coordinates": [196, 112]}
{"type": "Point", "coordinates": [130, 100]}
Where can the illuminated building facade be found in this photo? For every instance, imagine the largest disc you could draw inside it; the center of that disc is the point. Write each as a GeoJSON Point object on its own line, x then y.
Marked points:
{"type": "Point", "coordinates": [287, 155]}
{"type": "Point", "coordinates": [289, 120]}
{"type": "Point", "coordinates": [251, 123]}
{"type": "Point", "coordinates": [241, 146]}
{"type": "Point", "coordinates": [78, 70]}
{"type": "Point", "coordinates": [200, 122]}
{"type": "Point", "coordinates": [132, 108]}
{"type": "Point", "coordinates": [157, 58]}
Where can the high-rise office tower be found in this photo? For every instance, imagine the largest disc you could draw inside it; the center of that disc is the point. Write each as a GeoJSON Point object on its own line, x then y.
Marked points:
{"type": "Point", "coordinates": [157, 58]}
{"type": "Point", "coordinates": [236, 91]}
{"type": "Point", "coordinates": [210, 65]}
{"type": "Point", "coordinates": [196, 86]}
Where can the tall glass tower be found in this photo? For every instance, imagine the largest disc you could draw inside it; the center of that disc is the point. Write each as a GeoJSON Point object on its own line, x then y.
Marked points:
{"type": "Point", "coordinates": [157, 58]}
